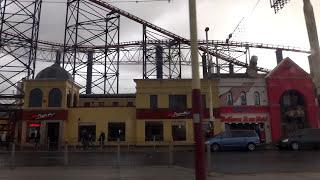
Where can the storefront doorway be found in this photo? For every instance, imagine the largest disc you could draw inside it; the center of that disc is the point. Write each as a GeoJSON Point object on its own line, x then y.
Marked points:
{"type": "Point", "coordinates": [53, 134]}
{"type": "Point", "coordinates": [292, 109]}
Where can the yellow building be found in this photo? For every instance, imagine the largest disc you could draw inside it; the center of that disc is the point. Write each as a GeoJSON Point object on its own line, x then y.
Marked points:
{"type": "Point", "coordinates": [164, 110]}
{"type": "Point", "coordinates": [54, 112]}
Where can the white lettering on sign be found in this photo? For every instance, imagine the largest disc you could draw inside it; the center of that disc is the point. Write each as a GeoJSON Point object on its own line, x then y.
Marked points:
{"type": "Point", "coordinates": [43, 116]}
{"type": "Point", "coordinates": [181, 114]}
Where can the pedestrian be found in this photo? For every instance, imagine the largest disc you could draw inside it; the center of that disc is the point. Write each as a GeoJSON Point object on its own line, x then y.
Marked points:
{"type": "Point", "coordinates": [102, 138]}
{"type": "Point", "coordinates": [84, 139]}
{"type": "Point", "coordinates": [36, 141]}
{"type": "Point", "coordinates": [2, 139]}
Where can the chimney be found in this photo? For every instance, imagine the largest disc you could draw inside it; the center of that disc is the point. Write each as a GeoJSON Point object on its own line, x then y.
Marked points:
{"type": "Point", "coordinates": [89, 72]}
{"type": "Point", "coordinates": [159, 62]}
{"type": "Point", "coordinates": [231, 71]}
{"type": "Point", "coordinates": [279, 55]}
{"type": "Point", "coordinates": [58, 57]}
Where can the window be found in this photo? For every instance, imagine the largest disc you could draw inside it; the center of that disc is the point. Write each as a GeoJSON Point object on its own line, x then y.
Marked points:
{"type": "Point", "coordinates": [153, 101]}
{"type": "Point", "coordinates": [243, 98]}
{"type": "Point", "coordinates": [154, 131]}
{"type": "Point", "coordinates": [87, 131]}
{"type": "Point", "coordinates": [115, 103]}
{"type": "Point", "coordinates": [229, 99]}
{"type": "Point", "coordinates": [69, 99]}
{"type": "Point", "coordinates": [35, 98]}
{"type": "Point", "coordinates": [116, 130]}
{"type": "Point", "coordinates": [178, 102]}
{"type": "Point", "coordinates": [101, 104]}
{"type": "Point", "coordinates": [203, 99]}
{"type": "Point", "coordinates": [178, 131]}
{"type": "Point", "coordinates": [256, 98]}
{"type": "Point", "coordinates": [130, 104]}
{"type": "Point", "coordinates": [33, 132]}
{"type": "Point", "coordinates": [75, 100]}
{"type": "Point", "coordinates": [55, 97]}
{"type": "Point", "coordinates": [86, 104]}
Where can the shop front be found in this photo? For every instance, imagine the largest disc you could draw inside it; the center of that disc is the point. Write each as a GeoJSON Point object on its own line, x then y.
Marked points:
{"type": "Point", "coordinates": [43, 127]}
{"type": "Point", "coordinates": [247, 118]}
{"type": "Point", "coordinates": [166, 126]}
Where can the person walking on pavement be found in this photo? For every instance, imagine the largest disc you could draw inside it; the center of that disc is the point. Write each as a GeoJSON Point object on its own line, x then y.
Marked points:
{"type": "Point", "coordinates": [3, 139]}
{"type": "Point", "coordinates": [36, 141]}
{"type": "Point", "coordinates": [102, 138]}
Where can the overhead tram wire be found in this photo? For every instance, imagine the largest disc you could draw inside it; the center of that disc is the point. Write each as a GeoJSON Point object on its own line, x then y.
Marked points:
{"type": "Point", "coordinates": [243, 19]}
{"type": "Point", "coordinates": [121, 1]}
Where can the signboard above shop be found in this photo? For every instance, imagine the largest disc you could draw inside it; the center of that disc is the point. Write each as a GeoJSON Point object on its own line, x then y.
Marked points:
{"type": "Point", "coordinates": [45, 115]}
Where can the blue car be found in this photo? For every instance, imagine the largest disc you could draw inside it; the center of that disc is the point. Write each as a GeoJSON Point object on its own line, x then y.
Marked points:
{"type": "Point", "coordinates": [245, 139]}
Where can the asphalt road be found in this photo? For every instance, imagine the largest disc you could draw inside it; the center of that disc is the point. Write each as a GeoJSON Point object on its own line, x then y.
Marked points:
{"type": "Point", "coordinates": [262, 161]}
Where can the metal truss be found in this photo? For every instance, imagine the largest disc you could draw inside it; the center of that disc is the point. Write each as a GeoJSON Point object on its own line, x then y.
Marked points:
{"type": "Point", "coordinates": [93, 26]}
{"type": "Point", "coordinates": [87, 25]}
{"type": "Point", "coordinates": [18, 42]}
{"type": "Point", "coordinates": [160, 60]}
{"type": "Point", "coordinates": [277, 5]}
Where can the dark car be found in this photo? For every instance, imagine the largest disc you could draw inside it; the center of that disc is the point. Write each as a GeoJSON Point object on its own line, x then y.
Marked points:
{"type": "Point", "coordinates": [245, 139]}
{"type": "Point", "coordinates": [303, 138]}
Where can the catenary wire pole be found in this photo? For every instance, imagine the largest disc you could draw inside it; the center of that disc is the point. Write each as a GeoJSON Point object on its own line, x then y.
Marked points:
{"type": "Point", "coordinates": [200, 172]}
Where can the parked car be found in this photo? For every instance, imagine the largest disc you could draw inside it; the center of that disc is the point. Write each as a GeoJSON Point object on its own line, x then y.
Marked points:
{"type": "Point", "coordinates": [303, 138]}
{"type": "Point", "coordinates": [245, 139]}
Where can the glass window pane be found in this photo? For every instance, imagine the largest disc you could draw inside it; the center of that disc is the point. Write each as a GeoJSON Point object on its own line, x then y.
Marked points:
{"type": "Point", "coordinates": [55, 97]}
{"type": "Point", "coordinates": [116, 130]}
{"type": "Point", "coordinates": [179, 131]}
{"type": "Point", "coordinates": [154, 131]}
{"type": "Point", "coordinates": [35, 98]}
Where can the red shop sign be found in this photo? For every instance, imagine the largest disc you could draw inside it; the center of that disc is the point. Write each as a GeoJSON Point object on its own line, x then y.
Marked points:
{"type": "Point", "coordinates": [45, 115]}
{"type": "Point", "coordinates": [41, 116]}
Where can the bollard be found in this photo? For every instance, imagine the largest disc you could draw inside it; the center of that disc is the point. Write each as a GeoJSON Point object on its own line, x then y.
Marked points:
{"type": "Point", "coordinates": [154, 143]}
{"type": "Point", "coordinates": [128, 147]}
{"type": "Point", "coordinates": [118, 151]}
{"type": "Point", "coordinates": [48, 145]}
{"type": "Point", "coordinates": [101, 145]}
{"type": "Point", "coordinates": [66, 158]}
{"type": "Point", "coordinates": [171, 154]}
{"type": "Point", "coordinates": [208, 158]}
{"type": "Point", "coordinates": [13, 155]}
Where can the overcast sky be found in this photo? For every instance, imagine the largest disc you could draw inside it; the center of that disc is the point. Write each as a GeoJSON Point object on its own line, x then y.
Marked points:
{"type": "Point", "coordinates": [261, 24]}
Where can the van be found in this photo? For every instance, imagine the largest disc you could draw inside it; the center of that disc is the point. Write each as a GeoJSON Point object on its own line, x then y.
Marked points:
{"type": "Point", "coordinates": [247, 139]}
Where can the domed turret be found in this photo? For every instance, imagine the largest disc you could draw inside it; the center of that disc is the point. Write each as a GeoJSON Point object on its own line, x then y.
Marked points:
{"type": "Point", "coordinates": [54, 72]}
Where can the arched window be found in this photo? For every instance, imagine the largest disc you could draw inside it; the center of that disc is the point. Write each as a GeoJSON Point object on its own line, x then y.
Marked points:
{"type": "Point", "coordinates": [75, 100]}
{"type": "Point", "coordinates": [243, 98]}
{"type": "Point", "coordinates": [55, 97]}
{"type": "Point", "coordinates": [256, 98]}
{"type": "Point", "coordinates": [229, 99]}
{"type": "Point", "coordinates": [69, 99]}
{"type": "Point", "coordinates": [35, 98]}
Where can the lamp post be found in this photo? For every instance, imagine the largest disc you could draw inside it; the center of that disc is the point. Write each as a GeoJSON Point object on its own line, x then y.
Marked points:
{"type": "Point", "coordinates": [210, 86]}
{"type": "Point", "coordinates": [200, 172]}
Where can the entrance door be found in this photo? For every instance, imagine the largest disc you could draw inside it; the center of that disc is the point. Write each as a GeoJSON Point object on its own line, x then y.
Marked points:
{"type": "Point", "coordinates": [293, 116]}
{"type": "Point", "coordinates": [53, 135]}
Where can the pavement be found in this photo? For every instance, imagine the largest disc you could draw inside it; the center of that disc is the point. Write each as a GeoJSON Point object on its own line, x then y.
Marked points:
{"type": "Point", "coordinates": [223, 162]}
{"type": "Point", "coordinates": [137, 173]}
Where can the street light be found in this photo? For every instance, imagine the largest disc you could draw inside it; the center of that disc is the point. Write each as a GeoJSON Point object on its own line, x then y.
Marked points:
{"type": "Point", "coordinates": [210, 88]}
{"type": "Point", "coordinates": [200, 172]}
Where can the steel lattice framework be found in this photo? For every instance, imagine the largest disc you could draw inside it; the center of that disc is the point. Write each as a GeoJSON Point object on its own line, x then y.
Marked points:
{"type": "Point", "coordinates": [88, 24]}
{"type": "Point", "coordinates": [18, 41]}
{"type": "Point", "coordinates": [92, 51]}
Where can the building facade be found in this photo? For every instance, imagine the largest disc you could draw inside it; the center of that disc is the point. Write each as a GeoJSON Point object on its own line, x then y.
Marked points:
{"type": "Point", "coordinates": [244, 104]}
{"type": "Point", "coordinates": [160, 112]}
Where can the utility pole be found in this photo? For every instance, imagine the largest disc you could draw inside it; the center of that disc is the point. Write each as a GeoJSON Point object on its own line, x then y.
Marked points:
{"type": "Point", "coordinates": [314, 58]}
{"type": "Point", "coordinates": [200, 172]}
